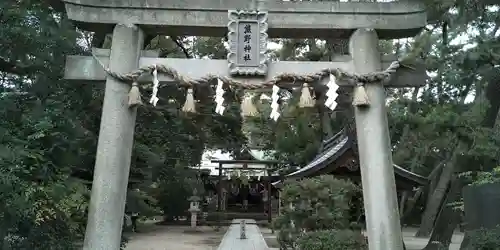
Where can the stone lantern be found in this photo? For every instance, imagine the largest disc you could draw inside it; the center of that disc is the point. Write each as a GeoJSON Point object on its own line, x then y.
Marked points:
{"type": "Point", "coordinates": [194, 209]}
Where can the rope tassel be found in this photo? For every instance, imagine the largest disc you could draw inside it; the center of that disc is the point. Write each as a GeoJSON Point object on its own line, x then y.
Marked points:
{"type": "Point", "coordinates": [360, 98]}
{"type": "Point", "coordinates": [189, 106]}
{"type": "Point", "coordinates": [248, 108]}
{"type": "Point", "coordinates": [134, 96]}
{"type": "Point", "coordinates": [306, 100]}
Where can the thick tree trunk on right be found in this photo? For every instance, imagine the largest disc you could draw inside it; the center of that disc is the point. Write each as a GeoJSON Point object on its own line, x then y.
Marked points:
{"type": "Point", "coordinates": [447, 220]}
{"type": "Point", "coordinates": [432, 209]}
{"type": "Point", "coordinates": [434, 178]}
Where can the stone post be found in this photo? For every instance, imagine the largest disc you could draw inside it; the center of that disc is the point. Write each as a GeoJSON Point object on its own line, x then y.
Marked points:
{"type": "Point", "coordinates": [224, 200]}
{"type": "Point", "coordinates": [243, 234]}
{"type": "Point", "coordinates": [194, 219]}
{"type": "Point", "coordinates": [279, 202]}
{"type": "Point", "coordinates": [194, 209]}
{"type": "Point", "coordinates": [377, 173]}
{"type": "Point", "coordinates": [114, 148]}
{"type": "Point", "coordinates": [292, 222]}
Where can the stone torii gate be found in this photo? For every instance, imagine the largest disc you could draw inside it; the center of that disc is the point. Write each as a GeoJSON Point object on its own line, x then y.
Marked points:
{"type": "Point", "coordinates": [363, 23]}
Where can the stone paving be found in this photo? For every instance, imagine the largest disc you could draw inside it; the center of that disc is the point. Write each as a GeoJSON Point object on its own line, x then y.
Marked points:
{"type": "Point", "coordinates": [154, 237]}
{"type": "Point", "coordinates": [253, 241]}
{"type": "Point", "coordinates": [174, 238]}
{"type": "Point", "coordinates": [413, 243]}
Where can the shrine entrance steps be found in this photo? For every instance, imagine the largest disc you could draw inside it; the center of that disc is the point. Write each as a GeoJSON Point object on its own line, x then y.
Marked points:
{"type": "Point", "coordinates": [253, 241]}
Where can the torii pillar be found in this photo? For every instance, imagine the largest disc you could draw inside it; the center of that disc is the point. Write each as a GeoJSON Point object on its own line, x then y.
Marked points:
{"type": "Point", "coordinates": [377, 174]}
{"type": "Point", "coordinates": [116, 137]}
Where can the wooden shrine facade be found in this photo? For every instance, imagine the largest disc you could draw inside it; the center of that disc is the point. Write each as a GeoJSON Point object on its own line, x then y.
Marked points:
{"type": "Point", "coordinates": [242, 186]}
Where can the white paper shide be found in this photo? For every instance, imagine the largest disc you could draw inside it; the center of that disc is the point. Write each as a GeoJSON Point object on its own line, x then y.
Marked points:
{"type": "Point", "coordinates": [332, 94]}
{"type": "Point", "coordinates": [219, 98]}
{"type": "Point", "coordinates": [154, 96]}
{"type": "Point", "coordinates": [274, 103]}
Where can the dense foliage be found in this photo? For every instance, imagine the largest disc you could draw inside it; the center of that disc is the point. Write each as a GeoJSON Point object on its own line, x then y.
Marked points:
{"type": "Point", "coordinates": [332, 240]}
{"type": "Point", "coordinates": [314, 204]}
{"type": "Point", "coordinates": [43, 204]}
{"type": "Point", "coordinates": [482, 178]}
{"type": "Point", "coordinates": [485, 239]}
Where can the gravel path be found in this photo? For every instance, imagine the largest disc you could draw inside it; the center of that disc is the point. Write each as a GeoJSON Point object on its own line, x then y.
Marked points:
{"type": "Point", "coordinates": [174, 238]}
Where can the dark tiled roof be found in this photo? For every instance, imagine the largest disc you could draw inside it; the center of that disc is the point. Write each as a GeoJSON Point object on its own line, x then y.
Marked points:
{"type": "Point", "coordinates": [332, 148]}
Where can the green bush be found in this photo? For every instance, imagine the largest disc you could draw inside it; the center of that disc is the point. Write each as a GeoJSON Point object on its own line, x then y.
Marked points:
{"type": "Point", "coordinates": [481, 177]}
{"type": "Point", "coordinates": [172, 193]}
{"type": "Point", "coordinates": [332, 240]}
{"type": "Point", "coordinates": [485, 239]}
{"type": "Point", "coordinates": [319, 203]}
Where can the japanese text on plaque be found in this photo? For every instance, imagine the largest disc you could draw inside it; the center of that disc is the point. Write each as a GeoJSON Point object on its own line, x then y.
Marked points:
{"type": "Point", "coordinates": [248, 44]}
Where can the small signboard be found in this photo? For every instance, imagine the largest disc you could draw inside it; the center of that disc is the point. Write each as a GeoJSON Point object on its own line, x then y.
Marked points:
{"type": "Point", "coordinates": [247, 43]}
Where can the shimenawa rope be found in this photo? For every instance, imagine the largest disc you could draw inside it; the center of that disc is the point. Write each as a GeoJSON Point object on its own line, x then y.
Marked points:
{"type": "Point", "coordinates": [360, 97]}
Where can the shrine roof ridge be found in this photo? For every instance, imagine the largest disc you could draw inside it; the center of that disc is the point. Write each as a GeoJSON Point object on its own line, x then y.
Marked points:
{"type": "Point", "coordinates": [286, 19]}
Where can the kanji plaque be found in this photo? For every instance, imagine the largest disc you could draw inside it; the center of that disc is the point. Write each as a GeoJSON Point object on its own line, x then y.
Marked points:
{"type": "Point", "coordinates": [247, 43]}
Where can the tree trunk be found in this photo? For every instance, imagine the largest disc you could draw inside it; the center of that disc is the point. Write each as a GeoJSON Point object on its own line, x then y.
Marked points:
{"type": "Point", "coordinates": [434, 204]}
{"type": "Point", "coordinates": [411, 204]}
{"type": "Point", "coordinates": [402, 202]}
{"type": "Point", "coordinates": [434, 179]}
{"type": "Point", "coordinates": [492, 94]}
{"type": "Point", "coordinates": [432, 209]}
{"type": "Point", "coordinates": [447, 220]}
